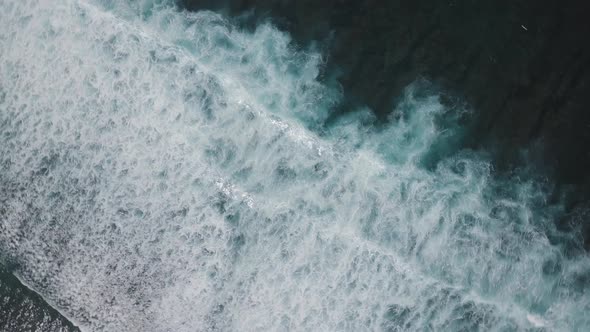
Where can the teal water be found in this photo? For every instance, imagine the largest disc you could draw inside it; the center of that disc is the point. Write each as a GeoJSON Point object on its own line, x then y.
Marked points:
{"type": "Point", "coordinates": [165, 171]}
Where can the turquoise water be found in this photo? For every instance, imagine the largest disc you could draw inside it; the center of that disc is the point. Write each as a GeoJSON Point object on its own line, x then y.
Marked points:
{"type": "Point", "coordinates": [165, 171]}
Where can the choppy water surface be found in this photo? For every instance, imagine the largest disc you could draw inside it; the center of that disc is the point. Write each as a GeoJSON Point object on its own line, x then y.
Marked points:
{"type": "Point", "coordinates": [164, 171]}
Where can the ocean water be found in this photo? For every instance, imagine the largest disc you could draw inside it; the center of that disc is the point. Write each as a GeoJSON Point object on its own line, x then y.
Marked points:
{"type": "Point", "coordinates": [23, 310]}
{"type": "Point", "coordinates": [163, 170]}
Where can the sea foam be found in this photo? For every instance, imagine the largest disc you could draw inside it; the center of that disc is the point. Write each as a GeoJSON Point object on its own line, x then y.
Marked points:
{"type": "Point", "coordinates": [162, 170]}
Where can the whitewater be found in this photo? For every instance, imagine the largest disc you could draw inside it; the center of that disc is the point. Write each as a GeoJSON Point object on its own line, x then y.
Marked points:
{"type": "Point", "coordinates": [165, 170]}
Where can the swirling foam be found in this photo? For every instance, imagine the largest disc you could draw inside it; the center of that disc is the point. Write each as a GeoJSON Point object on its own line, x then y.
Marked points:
{"type": "Point", "coordinates": [165, 171]}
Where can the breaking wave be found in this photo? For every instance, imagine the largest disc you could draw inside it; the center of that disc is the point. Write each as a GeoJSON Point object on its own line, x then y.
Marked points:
{"type": "Point", "coordinates": [162, 170]}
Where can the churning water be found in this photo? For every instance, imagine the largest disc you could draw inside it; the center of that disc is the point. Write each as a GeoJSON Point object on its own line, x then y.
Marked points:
{"type": "Point", "coordinates": [165, 171]}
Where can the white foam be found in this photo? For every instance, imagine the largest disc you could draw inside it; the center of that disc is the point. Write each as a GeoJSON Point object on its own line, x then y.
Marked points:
{"type": "Point", "coordinates": [160, 171]}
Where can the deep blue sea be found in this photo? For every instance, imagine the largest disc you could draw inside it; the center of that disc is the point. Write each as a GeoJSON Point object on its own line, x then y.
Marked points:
{"type": "Point", "coordinates": [165, 170]}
